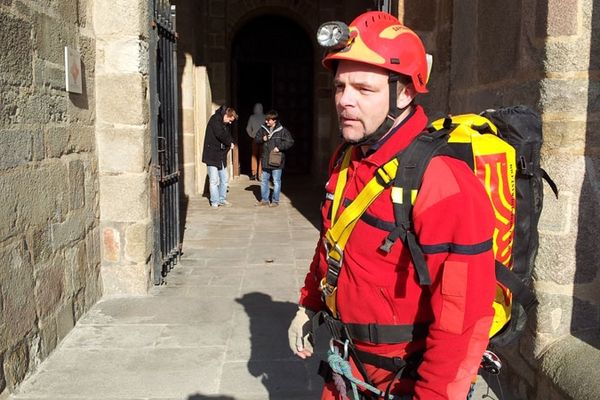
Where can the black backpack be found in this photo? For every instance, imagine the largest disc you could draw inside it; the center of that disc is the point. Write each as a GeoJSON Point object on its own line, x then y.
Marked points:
{"type": "Point", "coordinates": [521, 128]}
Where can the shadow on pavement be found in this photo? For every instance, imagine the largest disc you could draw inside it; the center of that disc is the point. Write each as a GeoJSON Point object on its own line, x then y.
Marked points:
{"type": "Point", "coordinates": [283, 375]}
{"type": "Point", "coordinates": [254, 187]}
{"type": "Point", "coordinates": [305, 194]}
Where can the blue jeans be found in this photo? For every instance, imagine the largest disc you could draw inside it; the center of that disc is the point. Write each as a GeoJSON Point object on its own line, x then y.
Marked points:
{"type": "Point", "coordinates": [264, 184]}
{"type": "Point", "coordinates": [217, 184]}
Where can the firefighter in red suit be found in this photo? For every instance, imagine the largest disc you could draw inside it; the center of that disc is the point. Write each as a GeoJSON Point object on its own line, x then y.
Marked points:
{"type": "Point", "coordinates": [439, 329]}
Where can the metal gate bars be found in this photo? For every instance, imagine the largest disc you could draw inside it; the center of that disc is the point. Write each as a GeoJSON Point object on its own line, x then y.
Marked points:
{"type": "Point", "coordinates": [165, 157]}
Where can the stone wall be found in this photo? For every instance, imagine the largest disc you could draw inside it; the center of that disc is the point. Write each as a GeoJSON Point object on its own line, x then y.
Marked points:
{"type": "Point", "coordinates": [538, 53]}
{"type": "Point", "coordinates": [568, 320]}
{"type": "Point", "coordinates": [49, 205]}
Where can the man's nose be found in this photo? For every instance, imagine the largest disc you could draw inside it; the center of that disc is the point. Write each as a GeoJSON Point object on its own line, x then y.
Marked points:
{"type": "Point", "coordinates": [346, 97]}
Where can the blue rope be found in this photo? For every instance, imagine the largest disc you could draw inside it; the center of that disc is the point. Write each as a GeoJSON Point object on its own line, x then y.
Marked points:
{"type": "Point", "coordinates": [342, 367]}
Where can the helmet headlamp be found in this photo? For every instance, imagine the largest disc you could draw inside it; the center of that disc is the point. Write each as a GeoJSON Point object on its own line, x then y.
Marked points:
{"type": "Point", "coordinates": [333, 35]}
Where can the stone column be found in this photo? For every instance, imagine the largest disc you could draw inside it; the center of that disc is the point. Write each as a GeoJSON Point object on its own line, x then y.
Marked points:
{"type": "Point", "coordinates": [567, 281]}
{"type": "Point", "coordinates": [187, 124]}
{"type": "Point", "coordinates": [203, 109]}
{"type": "Point", "coordinates": [568, 258]}
{"type": "Point", "coordinates": [123, 139]}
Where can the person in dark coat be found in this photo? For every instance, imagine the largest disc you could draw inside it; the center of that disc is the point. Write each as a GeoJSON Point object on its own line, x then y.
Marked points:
{"type": "Point", "coordinates": [278, 139]}
{"type": "Point", "coordinates": [217, 142]}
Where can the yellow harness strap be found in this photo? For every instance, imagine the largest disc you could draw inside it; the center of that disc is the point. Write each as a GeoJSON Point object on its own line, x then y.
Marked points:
{"type": "Point", "coordinates": [337, 236]}
{"type": "Point", "coordinates": [342, 227]}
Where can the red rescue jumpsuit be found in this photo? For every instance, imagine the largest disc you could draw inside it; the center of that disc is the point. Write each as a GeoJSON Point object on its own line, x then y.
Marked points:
{"type": "Point", "coordinates": [453, 213]}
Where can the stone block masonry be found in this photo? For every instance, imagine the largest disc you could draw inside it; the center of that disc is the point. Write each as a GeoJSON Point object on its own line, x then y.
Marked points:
{"type": "Point", "coordinates": [49, 200]}
{"type": "Point", "coordinates": [544, 56]}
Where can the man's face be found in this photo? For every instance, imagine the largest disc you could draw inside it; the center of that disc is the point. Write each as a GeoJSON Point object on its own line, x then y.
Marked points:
{"type": "Point", "coordinates": [361, 98]}
{"type": "Point", "coordinates": [228, 119]}
{"type": "Point", "coordinates": [270, 122]}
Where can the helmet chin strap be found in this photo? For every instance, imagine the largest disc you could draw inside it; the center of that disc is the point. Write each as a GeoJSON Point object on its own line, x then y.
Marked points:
{"type": "Point", "coordinates": [393, 113]}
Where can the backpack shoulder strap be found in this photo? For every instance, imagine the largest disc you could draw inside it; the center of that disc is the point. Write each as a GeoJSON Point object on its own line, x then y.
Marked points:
{"type": "Point", "coordinates": [412, 163]}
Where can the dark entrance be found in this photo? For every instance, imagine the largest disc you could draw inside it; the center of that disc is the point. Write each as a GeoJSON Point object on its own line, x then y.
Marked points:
{"type": "Point", "coordinates": [272, 63]}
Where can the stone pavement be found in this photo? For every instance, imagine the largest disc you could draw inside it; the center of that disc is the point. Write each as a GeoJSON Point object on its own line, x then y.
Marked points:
{"type": "Point", "coordinates": [217, 329]}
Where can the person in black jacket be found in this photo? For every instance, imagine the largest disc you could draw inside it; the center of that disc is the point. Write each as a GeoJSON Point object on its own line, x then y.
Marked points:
{"type": "Point", "coordinates": [276, 139]}
{"type": "Point", "coordinates": [217, 142]}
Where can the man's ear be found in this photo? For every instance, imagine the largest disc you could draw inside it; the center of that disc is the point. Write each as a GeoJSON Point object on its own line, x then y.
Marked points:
{"type": "Point", "coordinates": [406, 96]}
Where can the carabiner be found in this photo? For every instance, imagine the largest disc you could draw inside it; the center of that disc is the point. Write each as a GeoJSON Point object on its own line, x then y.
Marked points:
{"type": "Point", "coordinates": [333, 348]}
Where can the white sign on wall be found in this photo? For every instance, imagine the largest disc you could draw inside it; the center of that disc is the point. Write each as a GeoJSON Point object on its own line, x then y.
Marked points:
{"type": "Point", "coordinates": [73, 78]}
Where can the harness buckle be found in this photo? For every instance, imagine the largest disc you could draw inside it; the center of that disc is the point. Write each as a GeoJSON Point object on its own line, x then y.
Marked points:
{"type": "Point", "coordinates": [332, 261]}
{"type": "Point", "coordinates": [383, 178]}
{"type": "Point", "coordinates": [387, 245]}
{"type": "Point", "coordinates": [326, 288]}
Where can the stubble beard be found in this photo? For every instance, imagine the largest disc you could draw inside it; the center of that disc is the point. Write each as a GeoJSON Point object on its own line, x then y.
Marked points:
{"type": "Point", "coordinates": [353, 135]}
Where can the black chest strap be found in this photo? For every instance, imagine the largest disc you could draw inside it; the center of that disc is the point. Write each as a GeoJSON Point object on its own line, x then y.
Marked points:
{"type": "Point", "coordinates": [412, 163]}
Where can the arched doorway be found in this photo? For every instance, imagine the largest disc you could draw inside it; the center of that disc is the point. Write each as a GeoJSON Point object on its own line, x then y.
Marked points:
{"type": "Point", "coordinates": [272, 63]}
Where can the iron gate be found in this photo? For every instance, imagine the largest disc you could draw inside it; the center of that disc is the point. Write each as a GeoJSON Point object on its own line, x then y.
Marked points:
{"type": "Point", "coordinates": [165, 157]}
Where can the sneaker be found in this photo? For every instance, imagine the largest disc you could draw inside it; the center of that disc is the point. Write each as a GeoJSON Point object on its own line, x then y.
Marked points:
{"type": "Point", "coordinates": [262, 204]}
{"type": "Point", "coordinates": [214, 206]}
{"type": "Point", "coordinates": [252, 177]}
{"type": "Point", "coordinates": [274, 204]}
{"type": "Point", "coordinates": [225, 203]}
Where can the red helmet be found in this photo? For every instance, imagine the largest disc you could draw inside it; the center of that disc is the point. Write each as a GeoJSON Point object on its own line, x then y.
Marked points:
{"type": "Point", "coordinates": [379, 39]}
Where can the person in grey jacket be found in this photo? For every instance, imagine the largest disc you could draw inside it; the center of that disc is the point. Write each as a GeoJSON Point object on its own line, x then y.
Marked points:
{"type": "Point", "coordinates": [217, 142]}
{"type": "Point", "coordinates": [254, 123]}
{"type": "Point", "coordinates": [278, 139]}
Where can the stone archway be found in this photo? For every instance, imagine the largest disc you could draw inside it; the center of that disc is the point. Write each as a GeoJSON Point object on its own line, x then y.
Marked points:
{"type": "Point", "coordinates": [272, 63]}
{"type": "Point", "coordinates": [307, 15]}
{"type": "Point", "coordinates": [207, 32]}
